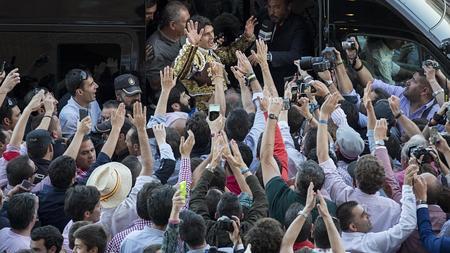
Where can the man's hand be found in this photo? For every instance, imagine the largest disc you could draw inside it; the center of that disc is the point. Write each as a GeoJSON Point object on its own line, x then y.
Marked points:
{"type": "Point", "coordinates": [36, 102]}
{"type": "Point", "coordinates": [244, 64]}
{"type": "Point", "coordinates": [139, 118]}
{"type": "Point", "coordinates": [187, 145]}
{"type": "Point", "coordinates": [430, 73]}
{"type": "Point", "coordinates": [301, 72]}
{"type": "Point", "coordinates": [217, 70]}
{"type": "Point", "coordinates": [352, 53]}
{"type": "Point", "coordinates": [238, 75]}
{"type": "Point", "coordinates": [322, 207]}
{"type": "Point", "coordinates": [216, 125]}
{"type": "Point", "coordinates": [321, 89]}
{"type": "Point", "coordinates": [118, 117]}
{"type": "Point", "coordinates": [411, 172]}
{"type": "Point", "coordinates": [160, 133]}
{"type": "Point", "coordinates": [235, 160]}
{"type": "Point", "coordinates": [250, 27]}
{"type": "Point", "coordinates": [338, 55]}
{"type": "Point", "coordinates": [310, 199]}
{"type": "Point", "coordinates": [303, 107]}
{"type": "Point", "coordinates": [235, 237]}
{"type": "Point", "coordinates": [11, 80]}
{"type": "Point", "coordinates": [442, 145]}
{"type": "Point", "coordinates": [192, 33]}
{"type": "Point", "coordinates": [366, 98]}
{"type": "Point", "coordinates": [84, 126]}
{"type": "Point", "coordinates": [261, 56]}
{"type": "Point", "coordinates": [264, 103]}
{"type": "Point", "coordinates": [217, 150]}
{"type": "Point", "coordinates": [394, 104]}
{"type": "Point", "coordinates": [168, 80]}
{"type": "Point", "coordinates": [381, 130]}
{"type": "Point", "coordinates": [49, 103]}
{"type": "Point", "coordinates": [275, 106]}
{"type": "Point", "coordinates": [420, 188]}
{"type": "Point", "coordinates": [443, 108]}
{"type": "Point", "coordinates": [178, 202]}
{"type": "Point", "coordinates": [329, 105]}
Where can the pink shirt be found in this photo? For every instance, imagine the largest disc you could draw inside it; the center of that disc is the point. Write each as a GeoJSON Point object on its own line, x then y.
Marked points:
{"type": "Point", "coordinates": [12, 242]}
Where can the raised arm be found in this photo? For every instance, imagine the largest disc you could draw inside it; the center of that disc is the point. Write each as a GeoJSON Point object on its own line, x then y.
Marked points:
{"type": "Point", "coordinates": [438, 91]}
{"type": "Point", "coordinates": [19, 129]}
{"type": "Point", "coordinates": [261, 59]}
{"type": "Point", "coordinates": [49, 106]}
{"type": "Point", "coordinates": [168, 81]}
{"type": "Point", "coordinates": [246, 69]}
{"type": "Point", "coordinates": [217, 72]}
{"type": "Point", "coordinates": [363, 73]}
{"type": "Point", "coordinates": [246, 94]}
{"type": "Point", "coordinates": [139, 121]}
{"type": "Point", "coordinates": [269, 166]}
{"type": "Point", "coordinates": [294, 229]}
{"type": "Point", "coordinates": [170, 241]}
{"type": "Point", "coordinates": [322, 131]}
{"type": "Point", "coordinates": [185, 173]}
{"type": "Point", "coordinates": [117, 119]}
{"type": "Point", "coordinates": [333, 235]}
{"type": "Point", "coordinates": [10, 81]}
{"type": "Point", "coordinates": [345, 85]}
{"type": "Point", "coordinates": [83, 128]}
{"type": "Point", "coordinates": [238, 167]}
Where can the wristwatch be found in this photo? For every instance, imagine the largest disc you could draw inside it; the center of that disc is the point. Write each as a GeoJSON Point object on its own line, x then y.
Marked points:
{"type": "Point", "coordinates": [328, 83]}
{"type": "Point", "coordinates": [302, 213]}
{"type": "Point", "coordinates": [273, 116]}
{"type": "Point", "coordinates": [421, 202]}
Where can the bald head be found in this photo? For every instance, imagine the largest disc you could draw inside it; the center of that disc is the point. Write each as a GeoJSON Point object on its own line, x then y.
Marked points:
{"type": "Point", "coordinates": [434, 187]}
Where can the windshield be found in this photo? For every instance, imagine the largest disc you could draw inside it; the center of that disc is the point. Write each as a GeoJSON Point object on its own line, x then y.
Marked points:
{"type": "Point", "coordinates": [429, 12]}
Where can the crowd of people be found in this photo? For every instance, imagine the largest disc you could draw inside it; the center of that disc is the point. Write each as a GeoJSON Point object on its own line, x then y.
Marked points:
{"type": "Point", "coordinates": [233, 156]}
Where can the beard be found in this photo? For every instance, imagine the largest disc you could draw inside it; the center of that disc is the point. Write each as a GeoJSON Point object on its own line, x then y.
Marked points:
{"type": "Point", "coordinates": [185, 108]}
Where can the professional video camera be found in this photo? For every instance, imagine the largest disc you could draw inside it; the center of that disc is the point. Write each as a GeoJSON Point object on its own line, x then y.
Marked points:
{"type": "Point", "coordinates": [348, 45]}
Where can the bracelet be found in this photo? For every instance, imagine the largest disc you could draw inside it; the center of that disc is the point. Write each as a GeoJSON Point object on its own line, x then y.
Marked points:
{"type": "Point", "coordinates": [244, 170]}
{"type": "Point", "coordinates": [360, 68]}
{"type": "Point", "coordinates": [438, 92]}
{"type": "Point", "coordinates": [325, 97]}
{"type": "Point", "coordinates": [339, 63]}
{"type": "Point", "coordinates": [273, 116]}
{"type": "Point", "coordinates": [48, 116]}
{"type": "Point", "coordinates": [421, 202]}
{"type": "Point", "coordinates": [323, 122]}
{"type": "Point", "coordinates": [398, 115]}
{"type": "Point", "coordinates": [303, 213]}
{"type": "Point", "coordinates": [329, 83]}
{"type": "Point", "coordinates": [313, 107]}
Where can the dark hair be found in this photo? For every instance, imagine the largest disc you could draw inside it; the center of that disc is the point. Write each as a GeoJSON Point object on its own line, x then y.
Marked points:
{"type": "Point", "coordinates": [290, 216]}
{"type": "Point", "coordinates": [175, 95]}
{"type": "Point", "coordinates": [92, 235]}
{"type": "Point", "coordinates": [21, 210]}
{"type": "Point", "coordinates": [62, 171]}
{"type": "Point", "coordinates": [6, 109]}
{"type": "Point", "coordinates": [152, 248]}
{"type": "Point", "coordinates": [87, 137]}
{"type": "Point", "coordinates": [265, 236]}
{"type": "Point", "coordinates": [246, 153]}
{"type": "Point", "coordinates": [173, 139]}
{"type": "Point", "coordinates": [171, 12]}
{"type": "Point", "coordinates": [74, 80]}
{"type": "Point", "coordinates": [219, 180]}
{"type": "Point", "coordinates": [111, 104]}
{"type": "Point", "coordinates": [198, 125]}
{"type": "Point", "coordinates": [295, 120]}
{"type": "Point", "coordinates": [141, 199]}
{"type": "Point", "coordinates": [50, 234]}
{"type": "Point", "coordinates": [202, 21]}
{"type": "Point", "coordinates": [310, 140]}
{"type": "Point", "coordinates": [369, 174]}
{"type": "Point", "coordinates": [212, 199]}
{"type": "Point", "coordinates": [228, 26]}
{"type": "Point", "coordinates": [80, 199]}
{"type": "Point", "coordinates": [19, 169]}
{"type": "Point", "coordinates": [232, 98]}
{"type": "Point", "coordinates": [75, 226]}
{"type": "Point", "coordinates": [150, 3]}
{"type": "Point", "coordinates": [195, 162]}
{"type": "Point", "coordinates": [192, 228]}
{"type": "Point", "coordinates": [237, 125]}
{"type": "Point", "coordinates": [345, 214]}
{"type": "Point", "coordinates": [320, 233]}
{"type": "Point", "coordinates": [2, 137]}
{"type": "Point", "coordinates": [134, 137]}
{"type": "Point", "coordinates": [308, 172]}
{"type": "Point", "coordinates": [229, 205]}
{"type": "Point", "coordinates": [135, 166]}
{"type": "Point", "coordinates": [352, 113]}
{"type": "Point", "coordinates": [159, 205]}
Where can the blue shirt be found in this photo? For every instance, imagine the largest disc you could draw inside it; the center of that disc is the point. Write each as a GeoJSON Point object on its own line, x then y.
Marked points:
{"type": "Point", "coordinates": [70, 115]}
{"type": "Point", "coordinates": [51, 207]}
{"type": "Point", "coordinates": [429, 241]}
{"type": "Point", "coordinates": [137, 241]}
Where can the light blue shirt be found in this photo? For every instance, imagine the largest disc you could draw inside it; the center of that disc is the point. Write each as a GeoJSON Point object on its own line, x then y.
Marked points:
{"type": "Point", "coordinates": [70, 115]}
{"type": "Point", "coordinates": [137, 241]}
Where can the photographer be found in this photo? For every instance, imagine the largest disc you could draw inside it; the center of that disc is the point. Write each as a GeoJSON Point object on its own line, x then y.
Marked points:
{"type": "Point", "coordinates": [421, 96]}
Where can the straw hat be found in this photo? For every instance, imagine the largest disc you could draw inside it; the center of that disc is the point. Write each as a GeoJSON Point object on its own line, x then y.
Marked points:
{"type": "Point", "coordinates": [113, 180]}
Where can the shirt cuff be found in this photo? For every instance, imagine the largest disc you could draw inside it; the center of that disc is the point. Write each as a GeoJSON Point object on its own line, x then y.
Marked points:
{"type": "Point", "coordinates": [339, 117]}
{"type": "Point", "coordinates": [166, 152]}
{"type": "Point", "coordinates": [257, 95]}
{"type": "Point", "coordinates": [422, 206]}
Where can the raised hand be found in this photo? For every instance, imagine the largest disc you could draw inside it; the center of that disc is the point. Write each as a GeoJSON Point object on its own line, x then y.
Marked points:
{"type": "Point", "coordinates": [430, 73]}
{"type": "Point", "coordinates": [235, 160]}
{"type": "Point", "coordinates": [192, 33]}
{"type": "Point", "coordinates": [353, 53]}
{"type": "Point", "coordinates": [244, 64]}
{"type": "Point", "coordinates": [303, 107]}
{"type": "Point", "coordinates": [394, 104]}
{"type": "Point", "coordinates": [420, 188]}
{"type": "Point", "coordinates": [118, 117]}
{"type": "Point", "coordinates": [49, 103]}
{"type": "Point", "coordinates": [329, 105]}
{"type": "Point", "coordinates": [178, 202]}
{"type": "Point", "coordinates": [187, 145]}
{"type": "Point", "coordinates": [238, 75]}
{"type": "Point", "coordinates": [275, 105]}
{"type": "Point", "coordinates": [139, 118]}
{"type": "Point", "coordinates": [322, 206]}
{"type": "Point", "coordinates": [36, 102]}
{"type": "Point", "coordinates": [168, 79]}
{"type": "Point", "coordinates": [160, 133]}
{"type": "Point", "coordinates": [366, 98]}
{"type": "Point", "coordinates": [11, 80]}
{"type": "Point", "coordinates": [261, 56]}
{"type": "Point", "coordinates": [310, 199]}
{"type": "Point", "coordinates": [325, 75]}
{"type": "Point", "coordinates": [381, 130]}
{"type": "Point", "coordinates": [321, 89]}
{"type": "Point", "coordinates": [250, 27]}
{"type": "Point", "coordinates": [84, 126]}
{"type": "Point", "coordinates": [216, 125]}
{"type": "Point", "coordinates": [217, 69]}
{"type": "Point", "coordinates": [411, 172]}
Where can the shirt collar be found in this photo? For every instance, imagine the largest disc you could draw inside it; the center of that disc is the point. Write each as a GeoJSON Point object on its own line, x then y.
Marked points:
{"type": "Point", "coordinates": [72, 101]}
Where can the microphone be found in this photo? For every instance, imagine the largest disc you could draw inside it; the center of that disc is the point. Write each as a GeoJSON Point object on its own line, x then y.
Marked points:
{"type": "Point", "coordinates": [265, 32]}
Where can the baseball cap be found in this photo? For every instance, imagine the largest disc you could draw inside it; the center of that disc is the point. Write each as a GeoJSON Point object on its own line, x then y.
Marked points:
{"type": "Point", "coordinates": [351, 145]}
{"type": "Point", "coordinates": [382, 110]}
{"type": "Point", "coordinates": [128, 83]}
{"type": "Point", "coordinates": [38, 138]}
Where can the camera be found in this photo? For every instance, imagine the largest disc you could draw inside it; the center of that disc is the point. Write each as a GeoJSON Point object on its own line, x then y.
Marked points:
{"type": "Point", "coordinates": [328, 54]}
{"type": "Point", "coordinates": [318, 64]}
{"type": "Point", "coordinates": [225, 223]}
{"type": "Point", "coordinates": [420, 151]}
{"type": "Point", "coordinates": [348, 45]}
{"type": "Point", "coordinates": [430, 63]}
